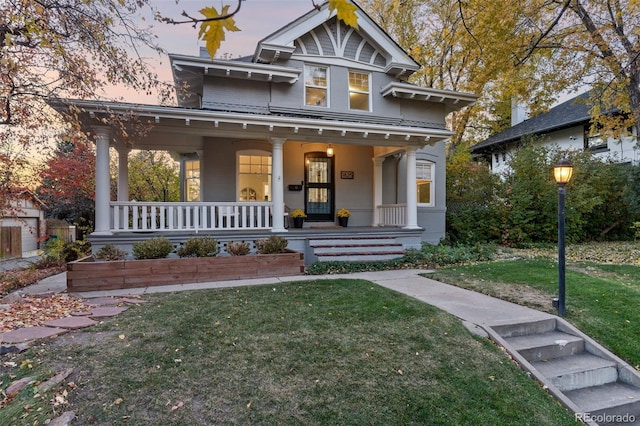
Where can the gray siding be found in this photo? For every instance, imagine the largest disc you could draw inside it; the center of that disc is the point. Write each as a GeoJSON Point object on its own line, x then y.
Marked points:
{"type": "Point", "coordinates": [218, 170]}
{"type": "Point", "coordinates": [235, 95]}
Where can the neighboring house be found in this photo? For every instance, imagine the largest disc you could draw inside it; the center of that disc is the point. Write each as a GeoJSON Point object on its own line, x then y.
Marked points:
{"type": "Point", "coordinates": [22, 225]}
{"type": "Point", "coordinates": [320, 118]}
{"type": "Point", "coordinates": [566, 126]}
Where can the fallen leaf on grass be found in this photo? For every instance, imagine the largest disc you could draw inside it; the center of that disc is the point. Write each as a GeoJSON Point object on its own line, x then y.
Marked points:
{"type": "Point", "coordinates": [179, 405]}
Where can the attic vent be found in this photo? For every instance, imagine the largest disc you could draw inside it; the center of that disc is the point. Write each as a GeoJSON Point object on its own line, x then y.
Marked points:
{"type": "Point", "coordinates": [332, 28]}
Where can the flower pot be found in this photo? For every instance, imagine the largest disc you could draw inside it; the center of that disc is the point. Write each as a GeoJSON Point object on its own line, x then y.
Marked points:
{"type": "Point", "coordinates": [343, 221]}
{"type": "Point", "coordinates": [297, 222]}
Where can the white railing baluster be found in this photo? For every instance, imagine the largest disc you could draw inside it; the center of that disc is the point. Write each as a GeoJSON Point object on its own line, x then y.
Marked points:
{"type": "Point", "coordinates": [392, 214]}
{"type": "Point", "coordinates": [134, 225]}
{"type": "Point", "coordinates": [140, 216]}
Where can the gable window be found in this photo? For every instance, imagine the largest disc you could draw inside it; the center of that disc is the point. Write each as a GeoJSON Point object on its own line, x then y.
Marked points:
{"type": "Point", "coordinates": [424, 181]}
{"type": "Point", "coordinates": [316, 83]}
{"type": "Point", "coordinates": [359, 91]}
{"type": "Point", "coordinates": [254, 176]}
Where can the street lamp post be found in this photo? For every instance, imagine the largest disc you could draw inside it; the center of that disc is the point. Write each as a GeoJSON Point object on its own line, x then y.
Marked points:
{"type": "Point", "coordinates": [562, 173]}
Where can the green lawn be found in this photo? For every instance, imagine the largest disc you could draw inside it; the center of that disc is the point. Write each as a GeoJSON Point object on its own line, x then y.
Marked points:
{"type": "Point", "coordinates": [328, 352]}
{"type": "Point", "coordinates": [602, 300]}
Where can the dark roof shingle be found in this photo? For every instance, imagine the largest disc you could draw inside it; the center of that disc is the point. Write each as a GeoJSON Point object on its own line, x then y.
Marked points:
{"type": "Point", "coordinates": [569, 113]}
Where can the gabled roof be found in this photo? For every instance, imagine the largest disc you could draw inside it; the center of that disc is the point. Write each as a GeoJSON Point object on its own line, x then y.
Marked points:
{"type": "Point", "coordinates": [573, 112]}
{"type": "Point", "coordinates": [282, 43]}
{"type": "Point", "coordinates": [26, 194]}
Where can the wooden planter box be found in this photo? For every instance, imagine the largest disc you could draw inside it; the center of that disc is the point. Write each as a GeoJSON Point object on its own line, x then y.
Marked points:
{"type": "Point", "coordinates": [89, 275]}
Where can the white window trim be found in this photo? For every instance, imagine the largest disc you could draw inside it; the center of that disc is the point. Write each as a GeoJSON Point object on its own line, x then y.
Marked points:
{"type": "Point", "coordinates": [185, 183]}
{"type": "Point", "coordinates": [327, 68]}
{"type": "Point", "coordinates": [368, 93]}
{"type": "Point", "coordinates": [250, 152]}
{"type": "Point", "coordinates": [432, 187]}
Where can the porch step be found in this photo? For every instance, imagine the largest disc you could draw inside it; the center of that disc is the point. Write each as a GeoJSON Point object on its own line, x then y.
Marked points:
{"type": "Point", "coordinates": [355, 248]}
{"type": "Point", "coordinates": [601, 388]}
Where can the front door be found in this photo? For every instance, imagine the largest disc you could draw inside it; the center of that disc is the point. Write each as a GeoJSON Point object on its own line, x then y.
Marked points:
{"type": "Point", "coordinates": [319, 187]}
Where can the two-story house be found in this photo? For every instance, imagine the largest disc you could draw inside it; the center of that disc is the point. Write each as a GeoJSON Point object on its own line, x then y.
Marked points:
{"type": "Point", "coordinates": [321, 117]}
{"type": "Point", "coordinates": [566, 126]}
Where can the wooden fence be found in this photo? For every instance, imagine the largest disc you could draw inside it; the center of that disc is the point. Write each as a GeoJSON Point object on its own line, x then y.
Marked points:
{"type": "Point", "coordinates": [10, 241]}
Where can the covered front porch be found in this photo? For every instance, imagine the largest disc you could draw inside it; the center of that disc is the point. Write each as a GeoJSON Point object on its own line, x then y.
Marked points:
{"type": "Point", "coordinates": [371, 171]}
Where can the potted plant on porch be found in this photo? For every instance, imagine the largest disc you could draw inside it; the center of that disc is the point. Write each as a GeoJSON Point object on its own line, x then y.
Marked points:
{"type": "Point", "coordinates": [298, 218]}
{"type": "Point", "coordinates": [343, 217]}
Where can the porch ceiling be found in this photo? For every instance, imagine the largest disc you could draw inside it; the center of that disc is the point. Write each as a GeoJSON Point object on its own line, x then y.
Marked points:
{"type": "Point", "coordinates": [182, 129]}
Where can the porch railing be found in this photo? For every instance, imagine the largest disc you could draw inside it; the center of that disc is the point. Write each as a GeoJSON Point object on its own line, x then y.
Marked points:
{"type": "Point", "coordinates": [392, 214]}
{"type": "Point", "coordinates": [134, 216]}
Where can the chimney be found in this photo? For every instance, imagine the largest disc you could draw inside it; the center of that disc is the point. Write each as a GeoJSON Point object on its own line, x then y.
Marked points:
{"type": "Point", "coordinates": [518, 112]}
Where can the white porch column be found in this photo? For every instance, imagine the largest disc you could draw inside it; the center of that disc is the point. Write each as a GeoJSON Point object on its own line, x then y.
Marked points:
{"type": "Point", "coordinates": [377, 189]}
{"type": "Point", "coordinates": [277, 185]}
{"type": "Point", "coordinates": [412, 190]}
{"type": "Point", "coordinates": [123, 173]}
{"type": "Point", "coordinates": [103, 137]}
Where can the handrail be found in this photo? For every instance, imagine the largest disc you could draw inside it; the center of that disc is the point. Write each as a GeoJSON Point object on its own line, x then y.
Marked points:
{"type": "Point", "coordinates": [143, 216]}
{"type": "Point", "coordinates": [392, 214]}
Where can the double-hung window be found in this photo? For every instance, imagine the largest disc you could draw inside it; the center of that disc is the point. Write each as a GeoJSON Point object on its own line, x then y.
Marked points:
{"type": "Point", "coordinates": [316, 85]}
{"type": "Point", "coordinates": [254, 176]}
{"type": "Point", "coordinates": [359, 91]}
{"type": "Point", "coordinates": [424, 181]}
{"type": "Point", "coordinates": [192, 180]}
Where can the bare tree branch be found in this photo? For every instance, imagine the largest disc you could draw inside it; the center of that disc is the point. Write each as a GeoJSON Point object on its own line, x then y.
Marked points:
{"type": "Point", "coordinates": [196, 21]}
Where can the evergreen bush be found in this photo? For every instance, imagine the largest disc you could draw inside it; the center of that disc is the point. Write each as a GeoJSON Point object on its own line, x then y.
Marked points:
{"type": "Point", "coordinates": [110, 252]}
{"type": "Point", "coordinates": [238, 248]}
{"type": "Point", "coordinates": [199, 247]}
{"type": "Point", "coordinates": [272, 245]}
{"type": "Point", "coordinates": [153, 248]}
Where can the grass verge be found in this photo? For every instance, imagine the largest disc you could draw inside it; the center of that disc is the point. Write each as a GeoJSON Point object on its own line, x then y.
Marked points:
{"type": "Point", "coordinates": [317, 352]}
{"type": "Point", "coordinates": [601, 299]}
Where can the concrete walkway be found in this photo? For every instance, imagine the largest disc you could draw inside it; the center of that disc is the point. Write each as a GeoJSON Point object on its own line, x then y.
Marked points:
{"type": "Point", "coordinates": [476, 310]}
{"type": "Point", "coordinates": [467, 305]}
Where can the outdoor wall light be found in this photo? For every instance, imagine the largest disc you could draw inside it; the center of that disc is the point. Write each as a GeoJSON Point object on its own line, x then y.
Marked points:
{"type": "Point", "coordinates": [330, 150]}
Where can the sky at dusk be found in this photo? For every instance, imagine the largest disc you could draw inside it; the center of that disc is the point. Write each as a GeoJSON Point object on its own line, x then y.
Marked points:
{"type": "Point", "coordinates": [256, 20]}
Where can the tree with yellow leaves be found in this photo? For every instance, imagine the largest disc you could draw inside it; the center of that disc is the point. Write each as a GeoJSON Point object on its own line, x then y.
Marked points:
{"type": "Point", "coordinates": [529, 51]}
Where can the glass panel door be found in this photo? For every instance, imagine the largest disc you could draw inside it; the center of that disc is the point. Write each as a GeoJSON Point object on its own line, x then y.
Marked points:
{"type": "Point", "coordinates": [319, 187]}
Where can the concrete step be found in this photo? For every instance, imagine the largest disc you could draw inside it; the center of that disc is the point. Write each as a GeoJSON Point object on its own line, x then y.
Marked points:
{"type": "Point", "coordinates": [577, 371]}
{"type": "Point", "coordinates": [358, 248]}
{"type": "Point", "coordinates": [544, 346]}
{"type": "Point", "coordinates": [608, 404]}
{"type": "Point", "coordinates": [357, 257]}
{"type": "Point", "coordinates": [355, 248]}
{"type": "Point", "coordinates": [353, 240]}
{"type": "Point", "coordinates": [526, 328]}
